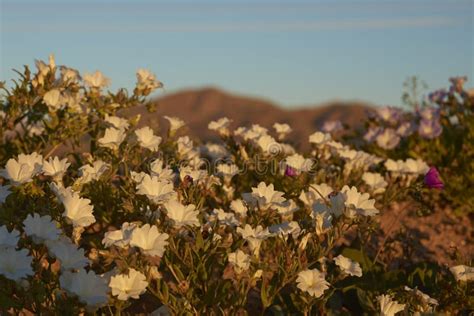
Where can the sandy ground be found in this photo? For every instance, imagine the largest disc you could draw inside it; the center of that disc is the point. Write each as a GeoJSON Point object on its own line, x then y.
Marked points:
{"type": "Point", "coordinates": [437, 237]}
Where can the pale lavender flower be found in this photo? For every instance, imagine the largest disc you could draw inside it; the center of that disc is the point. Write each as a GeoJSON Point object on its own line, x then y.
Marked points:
{"type": "Point", "coordinates": [437, 96]}
{"type": "Point", "coordinates": [430, 129]}
{"type": "Point", "coordinates": [388, 139]}
{"type": "Point", "coordinates": [429, 113]}
{"type": "Point", "coordinates": [406, 129]}
{"type": "Point", "coordinates": [332, 126]}
{"type": "Point", "coordinates": [372, 134]}
{"type": "Point", "coordinates": [457, 83]}
{"type": "Point", "coordinates": [389, 114]}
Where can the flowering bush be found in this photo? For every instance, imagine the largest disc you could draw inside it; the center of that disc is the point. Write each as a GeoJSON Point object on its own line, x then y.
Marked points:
{"type": "Point", "coordinates": [441, 132]}
{"type": "Point", "coordinates": [99, 215]}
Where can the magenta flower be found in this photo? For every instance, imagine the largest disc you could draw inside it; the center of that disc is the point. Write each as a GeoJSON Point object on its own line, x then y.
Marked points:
{"type": "Point", "coordinates": [290, 172]}
{"type": "Point", "coordinates": [432, 179]}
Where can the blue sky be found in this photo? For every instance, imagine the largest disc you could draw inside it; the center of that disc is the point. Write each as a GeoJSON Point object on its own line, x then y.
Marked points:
{"type": "Point", "coordinates": [292, 52]}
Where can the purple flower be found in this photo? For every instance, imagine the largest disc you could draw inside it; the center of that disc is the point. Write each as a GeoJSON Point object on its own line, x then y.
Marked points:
{"type": "Point", "coordinates": [432, 179]}
{"type": "Point", "coordinates": [388, 139]}
{"type": "Point", "coordinates": [332, 126]}
{"type": "Point", "coordinates": [429, 113]}
{"type": "Point", "coordinates": [457, 83]}
{"type": "Point", "coordinates": [372, 134]}
{"type": "Point", "coordinates": [405, 129]}
{"type": "Point", "coordinates": [430, 129]}
{"type": "Point", "coordinates": [290, 172]}
{"type": "Point", "coordinates": [437, 96]}
{"type": "Point", "coordinates": [389, 114]}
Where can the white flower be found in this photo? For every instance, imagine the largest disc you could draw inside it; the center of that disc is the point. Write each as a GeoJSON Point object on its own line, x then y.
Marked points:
{"type": "Point", "coordinates": [358, 203]}
{"type": "Point", "coordinates": [130, 285]}
{"type": "Point", "coordinates": [255, 132]}
{"type": "Point", "coordinates": [4, 193]}
{"type": "Point", "coordinates": [55, 168]}
{"type": "Point", "coordinates": [332, 126]}
{"type": "Point", "coordinates": [92, 172]}
{"type": "Point", "coordinates": [254, 236]}
{"type": "Point", "coordinates": [59, 190]}
{"type": "Point", "coordinates": [388, 139]}
{"type": "Point", "coordinates": [78, 210]}
{"type": "Point", "coordinates": [182, 215]}
{"type": "Point", "coordinates": [158, 191]}
{"type": "Point", "coordinates": [427, 303]}
{"type": "Point", "coordinates": [163, 173]}
{"type": "Point", "coordinates": [313, 282]}
{"type": "Point", "coordinates": [282, 129]}
{"type": "Point", "coordinates": [224, 217]}
{"type": "Point", "coordinates": [348, 266]}
{"type": "Point", "coordinates": [259, 129]}
{"type": "Point", "coordinates": [197, 175]}
{"type": "Point", "coordinates": [73, 101]}
{"type": "Point", "coordinates": [43, 68]}
{"type": "Point", "coordinates": [396, 167]}
{"type": "Point", "coordinates": [239, 260]}
{"type": "Point", "coordinates": [269, 145]}
{"type": "Point", "coordinates": [15, 264]}
{"type": "Point", "coordinates": [147, 139]}
{"type": "Point", "coordinates": [417, 167]}
{"type": "Point", "coordinates": [221, 126]}
{"type": "Point", "coordinates": [287, 149]}
{"type": "Point", "coordinates": [463, 273]}
{"type": "Point", "coordinates": [336, 145]}
{"type": "Point", "coordinates": [89, 287]}
{"type": "Point", "coordinates": [185, 146]}
{"type": "Point", "coordinates": [214, 151]}
{"type": "Point", "coordinates": [117, 122]}
{"type": "Point", "coordinates": [68, 75]}
{"type": "Point", "coordinates": [323, 218]}
{"type": "Point", "coordinates": [319, 138]}
{"type": "Point", "coordinates": [285, 229]}
{"type": "Point", "coordinates": [23, 169]}
{"type": "Point", "coordinates": [121, 237]}
{"type": "Point", "coordinates": [316, 192]}
{"type": "Point", "coordinates": [266, 196]}
{"type": "Point", "coordinates": [147, 81]}
{"type": "Point", "coordinates": [376, 182]}
{"type": "Point", "coordinates": [36, 128]}
{"type": "Point", "coordinates": [148, 239]}
{"type": "Point", "coordinates": [287, 208]}
{"type": "Point", "coordinates": [41, 228]}
{"type": "Point", "coordinates": [138, 177]}
{"type": "Point", "coordinates": [175, 123]}
{"type": "Point", "coordinates": [96, 80]}
{"type": "Point", "coordinates": [112, 138]}
{"type": "Point", "coordinates": [53, 99]}
{"type": "Point", "coordinates": [357, 159]}
{"type": "Point", "coordinates": [389, 307]}
{"type": "Point", "coordinates": [239, 207]}
{"type": "Point", "coordinates": [34, 160]}
{"type": "Point", "coordinates": [67, 253]}
{"type": "Point", "coordinates": [8, 239]}
{"type": "Point", "coordinates": [299, 163]}
{"type": "Point", "coordinates": [228, 170]}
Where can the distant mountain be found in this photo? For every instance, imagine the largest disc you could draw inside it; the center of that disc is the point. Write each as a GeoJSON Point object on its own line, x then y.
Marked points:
{"type": "Point", "coordinates": [200, 106]}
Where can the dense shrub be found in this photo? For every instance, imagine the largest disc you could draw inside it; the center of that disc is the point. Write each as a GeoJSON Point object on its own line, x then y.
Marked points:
{"type": "Point", "coordinates": [141, 223]}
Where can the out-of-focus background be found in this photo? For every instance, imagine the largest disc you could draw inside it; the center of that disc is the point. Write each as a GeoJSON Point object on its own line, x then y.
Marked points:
{"type": "Point", "coordinates": [300, 62]}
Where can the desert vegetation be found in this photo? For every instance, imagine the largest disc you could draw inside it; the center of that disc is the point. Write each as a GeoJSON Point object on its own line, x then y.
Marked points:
{"type": "Point", "coordinates": [101, 215]}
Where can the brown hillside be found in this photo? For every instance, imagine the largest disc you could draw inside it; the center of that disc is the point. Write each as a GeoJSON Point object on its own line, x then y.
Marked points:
{"type": "Point", "coordinates": [198, 107]}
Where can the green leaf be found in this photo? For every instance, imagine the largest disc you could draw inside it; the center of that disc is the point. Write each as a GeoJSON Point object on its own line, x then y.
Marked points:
{"type": "Point", "coordinates": [358, 256]}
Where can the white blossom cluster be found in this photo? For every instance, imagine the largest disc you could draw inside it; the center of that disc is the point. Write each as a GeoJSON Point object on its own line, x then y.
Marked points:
{"type": "Point", "coordinates": [142, 215]}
